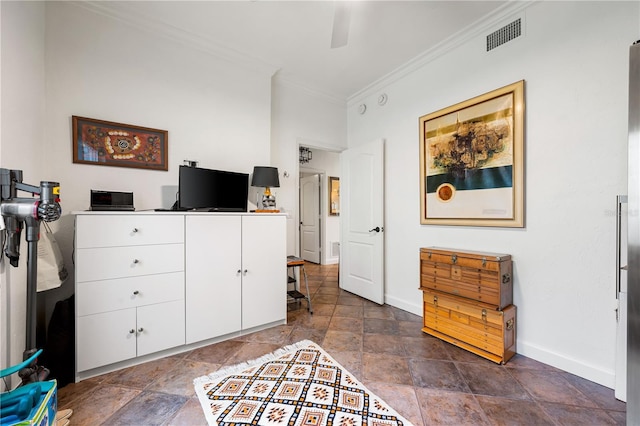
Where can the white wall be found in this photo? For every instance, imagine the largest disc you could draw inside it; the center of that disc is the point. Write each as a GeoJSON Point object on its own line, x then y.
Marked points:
{"type": "Point", "coordinates": [300, 117]}
{"type": "Point", "coordinates": [574, 60]}
{"type": "Point", "coordinates": [21, 147]}
{"type": "Point", "coordinates": [216, 112]}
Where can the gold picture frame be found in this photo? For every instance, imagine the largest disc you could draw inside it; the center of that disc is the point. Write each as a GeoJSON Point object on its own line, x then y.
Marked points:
{"type": "Point", "coordinates": [334, 196]}
{"type": "Point", "coordinates": [472, 159]}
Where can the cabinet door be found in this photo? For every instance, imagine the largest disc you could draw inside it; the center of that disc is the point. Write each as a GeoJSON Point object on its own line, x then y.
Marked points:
{"type": "Point", "coordinates": [264, 258]}
{"type": "Point", "coordinates": [105, 338]}
{"type": "Point", "coordinates": [160, 327]}
{"type": "Point", "coordinates": [213, 276]}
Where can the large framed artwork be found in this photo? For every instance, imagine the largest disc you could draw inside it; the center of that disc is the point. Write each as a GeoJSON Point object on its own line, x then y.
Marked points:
{"type": "Point", "coordinates": [471, 161]}
{"type": "Point", "coordinates": [123, 145]}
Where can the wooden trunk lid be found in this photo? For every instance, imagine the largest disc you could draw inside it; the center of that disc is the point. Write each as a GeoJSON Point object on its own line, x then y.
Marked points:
{"type": "Point", "coordinates": [474, 259]}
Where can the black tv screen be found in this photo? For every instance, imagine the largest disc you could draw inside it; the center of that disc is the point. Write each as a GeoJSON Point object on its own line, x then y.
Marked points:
{"type": "Point", "coordinates": [213, 190]}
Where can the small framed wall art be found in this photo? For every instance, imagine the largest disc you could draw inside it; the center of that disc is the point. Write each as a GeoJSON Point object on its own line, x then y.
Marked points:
{"type": "Point", "coordinates": [106, 143]}
{"type": "Point", "coordinates": [471, 161]}
{"type": "Point", "coordinates": [334, 196]}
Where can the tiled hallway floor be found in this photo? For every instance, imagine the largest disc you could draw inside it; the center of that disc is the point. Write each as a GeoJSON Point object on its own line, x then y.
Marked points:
{"type": "Point", "coordinates": [424, 379]}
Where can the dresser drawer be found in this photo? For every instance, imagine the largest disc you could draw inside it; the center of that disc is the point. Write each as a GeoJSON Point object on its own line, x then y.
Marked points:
{"type": "Point", "coordinates": [128, 230]}
{"type": "Point", "coordinates": [94, 264]}
{"type": "Point", "coordinates": [94, 297]}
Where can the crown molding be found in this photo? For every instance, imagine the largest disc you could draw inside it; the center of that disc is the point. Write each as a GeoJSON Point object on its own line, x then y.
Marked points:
{"type": "Point", "coordinates": [168, 31]}
{"type": "Point", "coordinates": [232, 56]}
{"type": "Point", "coordinates": [475, 29]}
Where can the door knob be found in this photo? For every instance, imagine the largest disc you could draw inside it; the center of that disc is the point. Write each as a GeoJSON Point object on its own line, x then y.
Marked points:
{"type": "Point", "coordinates": [376, 229]}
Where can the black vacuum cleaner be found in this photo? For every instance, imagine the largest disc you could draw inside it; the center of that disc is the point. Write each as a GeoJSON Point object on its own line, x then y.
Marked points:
{"type": "Point", "coordinates": [16, 214]}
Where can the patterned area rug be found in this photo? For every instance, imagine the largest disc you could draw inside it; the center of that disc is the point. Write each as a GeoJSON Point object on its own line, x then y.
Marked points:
{"type": "Point", "coordinates": [296, 385]}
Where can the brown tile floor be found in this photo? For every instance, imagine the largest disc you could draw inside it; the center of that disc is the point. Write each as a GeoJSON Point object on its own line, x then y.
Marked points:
{"type": "Point", "coordinates": [426, 380]}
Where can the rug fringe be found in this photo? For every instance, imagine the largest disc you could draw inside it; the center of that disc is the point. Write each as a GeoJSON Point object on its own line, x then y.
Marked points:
{"type": "Point", "coordinates": [226, 371]}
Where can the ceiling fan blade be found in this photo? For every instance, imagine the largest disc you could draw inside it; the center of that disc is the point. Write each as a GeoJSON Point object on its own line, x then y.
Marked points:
{"type": "Point", "coordinates": [341, 18]}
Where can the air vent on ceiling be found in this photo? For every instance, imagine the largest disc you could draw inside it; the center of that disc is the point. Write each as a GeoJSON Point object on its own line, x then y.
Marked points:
{"type": "Point", "coordinates": [504, 34]}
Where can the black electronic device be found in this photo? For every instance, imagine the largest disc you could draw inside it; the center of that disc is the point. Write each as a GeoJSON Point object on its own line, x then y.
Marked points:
{"type": "Point", "coordinates": [111, 201]}
{"type": "Point", "coordinates": [212, 190]}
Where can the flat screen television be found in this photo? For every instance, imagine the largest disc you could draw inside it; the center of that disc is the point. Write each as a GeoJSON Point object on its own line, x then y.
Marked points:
{"type": "Point", "coordinates": [212, 190]}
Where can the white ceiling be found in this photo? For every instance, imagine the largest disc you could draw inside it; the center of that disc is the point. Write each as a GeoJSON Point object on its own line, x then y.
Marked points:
{"type": "Point", "coordinates": [294, 37]}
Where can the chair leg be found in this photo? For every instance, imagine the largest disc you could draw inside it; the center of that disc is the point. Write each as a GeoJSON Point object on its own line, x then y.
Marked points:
{"type": "Point", "coordinates": [306, 284]}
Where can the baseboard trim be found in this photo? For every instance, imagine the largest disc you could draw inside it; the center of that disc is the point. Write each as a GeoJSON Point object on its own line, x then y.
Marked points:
{"type": "Point", "coordinates": [579, 368]}
{"type": "Point", "coordinates": [557, 360]}
{"type": "Point", "coordinates": [404, 305]}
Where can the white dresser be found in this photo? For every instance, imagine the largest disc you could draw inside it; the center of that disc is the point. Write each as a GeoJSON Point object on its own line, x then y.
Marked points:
{"type": "Point", "coordinates": [129, 287]}
{"type": "Point", "coordinates": [151, 284]}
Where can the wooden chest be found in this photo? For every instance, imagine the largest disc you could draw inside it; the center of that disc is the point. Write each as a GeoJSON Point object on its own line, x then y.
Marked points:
{"type": "Point", "coordinates": [480, 276]}
{"type": "Point", "coordinates": [474, 326]}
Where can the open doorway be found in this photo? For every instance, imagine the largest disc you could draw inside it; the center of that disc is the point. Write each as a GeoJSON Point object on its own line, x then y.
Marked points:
{"type": "Point", "coordinates": [319, 221]}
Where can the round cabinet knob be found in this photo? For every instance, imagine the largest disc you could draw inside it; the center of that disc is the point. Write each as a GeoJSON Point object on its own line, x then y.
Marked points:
{"type": "Point", "coordinates": [132, 331]}
{"type": "Point", "coordinates": [244, 272]}
{"type": "Point", "coordinates": [135, 230]}
{"type": "Point", "coordinates": [136, 261]}
{"type": "Point", "coordinates": [136, 292]}
{"type": "Point", "coordinates": [140, 330]}
{"type": "Point", "coordinates": [239, 271]}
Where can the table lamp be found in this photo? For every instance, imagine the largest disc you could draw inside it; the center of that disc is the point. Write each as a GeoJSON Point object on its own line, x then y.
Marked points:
{"type": "Point", "coordinates": [267, 178]}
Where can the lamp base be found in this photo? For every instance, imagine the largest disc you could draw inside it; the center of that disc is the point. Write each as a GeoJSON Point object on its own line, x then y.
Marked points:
{"type": "Point", "coordinates": [268, 201]}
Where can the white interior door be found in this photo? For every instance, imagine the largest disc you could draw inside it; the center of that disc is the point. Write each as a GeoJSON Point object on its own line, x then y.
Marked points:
{"type": "Point", "coordinates": [310, 218]}
{"type": "Point", "coordinates": [362, 204]}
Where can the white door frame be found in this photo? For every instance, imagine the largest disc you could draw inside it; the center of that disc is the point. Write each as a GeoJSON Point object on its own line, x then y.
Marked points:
{"type": "Point", "coordinates": [620, 387]}
{"type": "Point", "coordinates": [323, 183]}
